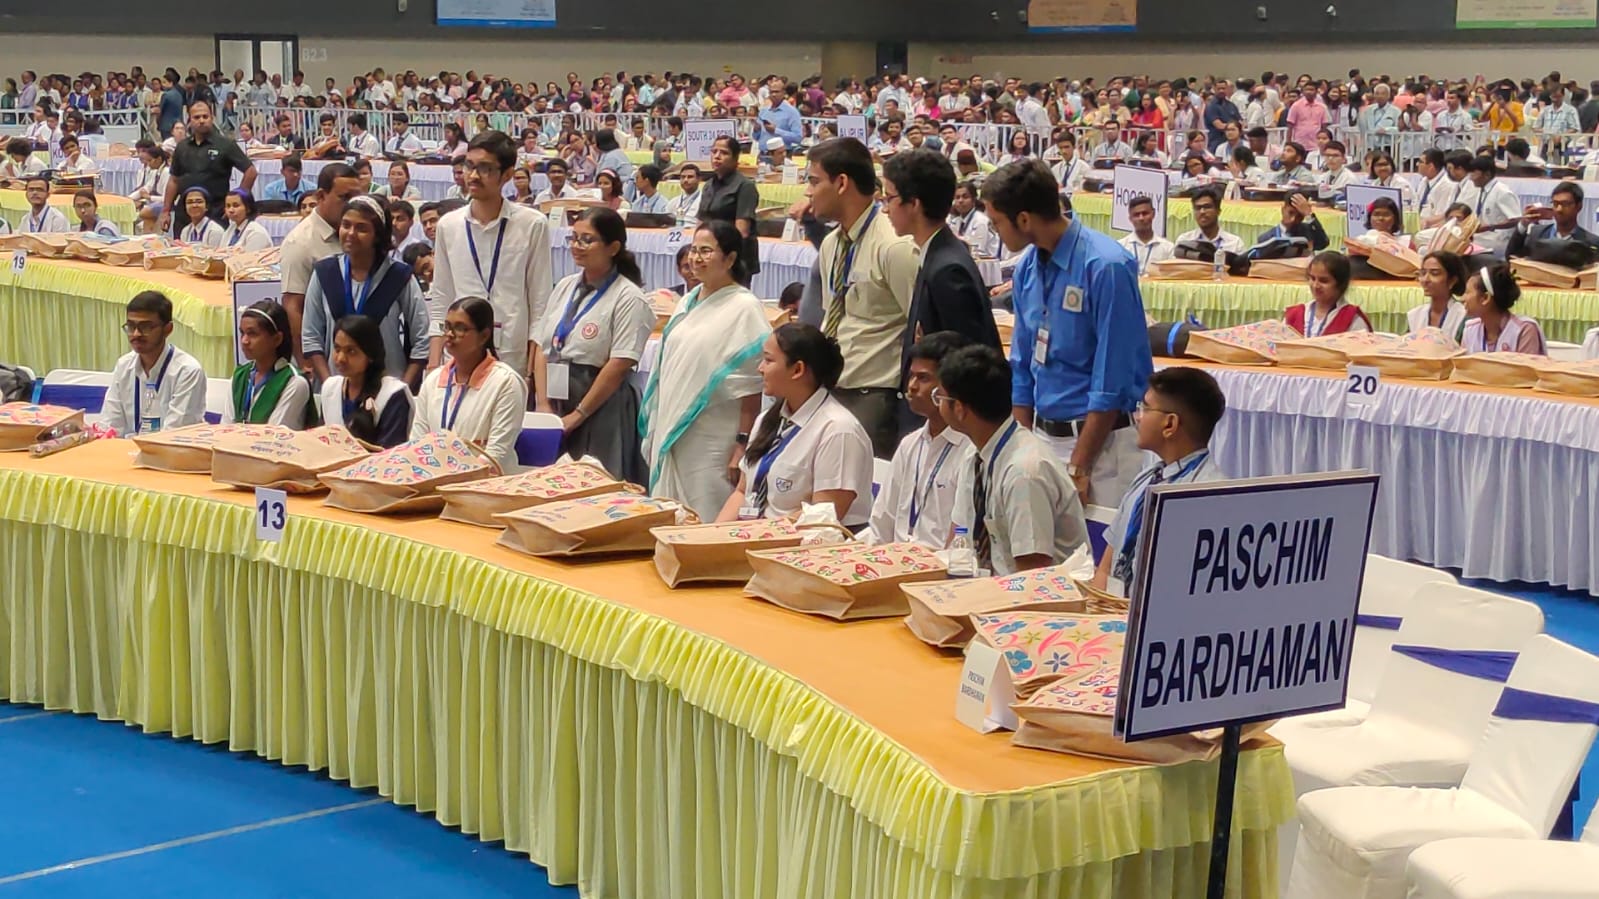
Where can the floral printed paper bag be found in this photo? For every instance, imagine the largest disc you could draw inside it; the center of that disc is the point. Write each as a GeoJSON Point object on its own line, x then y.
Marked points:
{"type": "Point", "coordinates": [843, 581]}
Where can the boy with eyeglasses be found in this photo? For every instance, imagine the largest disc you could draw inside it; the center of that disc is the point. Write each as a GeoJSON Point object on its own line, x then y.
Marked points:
{"type": "Point", "coordinates": [1175, 420]}
{"type": "Point", "coordinates": [156, 386]}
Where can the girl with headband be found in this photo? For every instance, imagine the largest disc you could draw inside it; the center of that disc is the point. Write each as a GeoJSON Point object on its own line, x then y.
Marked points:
{"type": "Point", "coordinates": [267, 389]}
{"type": "Point", "coordinates": [1492, 327]}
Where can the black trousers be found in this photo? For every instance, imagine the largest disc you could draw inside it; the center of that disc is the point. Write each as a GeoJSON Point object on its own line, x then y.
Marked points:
{"type": "Point", "coordinates": [878, 411]}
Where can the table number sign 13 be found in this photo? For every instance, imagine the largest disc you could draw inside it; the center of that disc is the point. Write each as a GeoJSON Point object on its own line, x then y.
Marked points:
{"type": "Point", "coordinates": [271, 514]}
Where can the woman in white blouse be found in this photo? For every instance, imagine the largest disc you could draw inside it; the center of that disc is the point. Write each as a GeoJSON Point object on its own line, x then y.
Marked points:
{"type": "Point", "coordinates": [1443, 279]}
{"type": "Point", "coordinates": [399, 186]}
{"type": "Point", "coordinates": [476, 396]}
{"type": "Point", "coordinates": [153, 178]}
{"type": "Point", "coordinates": [243, 231]}
{"type": "Point", "coordinates": [807, 447]}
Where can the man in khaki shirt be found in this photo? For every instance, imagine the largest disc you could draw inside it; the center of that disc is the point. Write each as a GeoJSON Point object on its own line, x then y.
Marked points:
{"type": "Point", "coordinates": [315, 238]}
{"type": "Point", "coordinates": [868, 276]}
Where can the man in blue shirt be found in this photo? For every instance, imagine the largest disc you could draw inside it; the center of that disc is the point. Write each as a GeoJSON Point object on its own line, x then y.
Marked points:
{"type": "Point", "coordinates": [171, 108]}
{"type": "Point", "coordinates": [1080, 357]}
{"type": "Point", "coordinates": [781, 119]}
{"type": "Point", "coordinates": [290, 187]}
{"type": "Point", "coordinates": [1218, 112]}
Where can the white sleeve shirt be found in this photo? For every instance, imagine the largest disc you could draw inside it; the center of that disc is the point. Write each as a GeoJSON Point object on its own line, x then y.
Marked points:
{"type": "Point", "coordinates": [50, 221]}
{"type": "Point", "coordinates": [520, 287]}
{"type": "Point", "coordinates": [617, 326]}
{"type": "Point", "coordinates": [143, 402]}
{"type": "Point", "coordinates": [365, 144]}
{"type": "Point", "coordinates": [830, 451]}
{"type": "Point", "coordinates": [487, 412]}
{"type": "Point", "coordinates": [924, 475]}
{"type": "Point", "coordinates": [253, 236]}
{"type": "Point", "coordinates": [1158, 248]}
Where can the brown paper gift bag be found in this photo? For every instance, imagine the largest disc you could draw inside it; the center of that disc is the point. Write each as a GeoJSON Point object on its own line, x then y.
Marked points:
{"type": "Point", "coordinates": [1040, 647]}
{"type": "Point", "coordinates": [712, 553]}
{"type": "Point", "coordinates": [21, 424]}
{"type": "Point", "coordinates": [1570, 378]}
{"type": "Point", "coordinates": [288, 461]}
{"type": "Point", "coordinates": [1331, 351]}
{"type": "Point", "coordinates": [1545, 274]}
{"type": "Point", "coordinates": [1500, 369]}
{"type": "Point", "coordinates": [1280, 269]}
{"type": "Point", "coordinates": [941, 612]}
{"type": "Point", "coordinates": [1251, 344]}
{"type": "Point", "coordinates": [1181, 270]}
{"type": "Point", "coordinates": [842, 581]}
{"type": "Point", "coordinates": [187, 450]}
{"type": "Point", "coordinates": [1453, 237]}
{"type": "Point", "coordinates": [1076, 716]}
{"type": "Point", "coordinates": [407, 478]}
{"type": "Point", "coordinates": [1428, 353]}
{"type": "Point", "coordinates": [132, 250]}
{"type": "Point", "coordinates": [478, 502]}
{"type": "Point", "coordinates": [1394, 258]}
{"type": "Point", "coordinates": [608, 524]}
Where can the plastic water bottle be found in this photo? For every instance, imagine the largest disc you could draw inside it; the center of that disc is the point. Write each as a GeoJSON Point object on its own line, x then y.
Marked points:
{"type": "Point", "coordinates": [962, 556]}
{"type": "Point", "coordinates": [1218, 268]}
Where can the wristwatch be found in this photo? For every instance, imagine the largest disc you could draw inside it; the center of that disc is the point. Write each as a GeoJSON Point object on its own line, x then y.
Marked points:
{"type": "Point", "coordinates": [741, 438]}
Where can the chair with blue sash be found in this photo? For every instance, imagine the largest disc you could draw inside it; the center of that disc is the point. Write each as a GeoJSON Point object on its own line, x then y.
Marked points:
{"type": "Point", "coordinates": [540, 441]}
{"type": "Point", "coordinates": [1356, 841]}
{"type": "Point", "coordinates": [74, 389]}
{"type": "Point", "coordinates": [1099, 519]}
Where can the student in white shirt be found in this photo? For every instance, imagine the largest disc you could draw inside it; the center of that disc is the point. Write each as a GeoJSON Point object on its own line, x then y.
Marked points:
{"type": "Point", "coordinates": [362, 143]}
{"type": "Point", "coordinates": [362, 398]}
{"type": "Point", "coordinates": [267, 389]}
{"type": "Point", "coordinates": [1496, 206]}
{"type": "Point", "coordinates": [495, 249]}
{"type": "Point", "coordinates": [807, 448]}
{"type": "Point", "coordinates": [1175, 421]}
{"type": "Point", "coordinates": [200, 231]}
{"type": "Point", "coordinates": [402, 141]}
{"type": "Point", "coordinates": [1069, 171]}
{"type": "Point", "coordinates": [970, 224]}
{"type": "Point", "coordinates": [243, 231]}
{"type": "Point", "coordinates": [1337, 177]}
{"type": "Point", "coordinates": [917, 501]}
{"type": "Point", "coordinates": [399, 185]}
{"type": "Point", "coordinates": [589, 342]}
{"type": "Point", "coordinates": [1142, 243]}
{"type": "Point", "coordinates": [19, 161]}
{"type": "Point", "coordinates": [557, 171]}
{"type": "Point", "coordinates": [1015, 499]}
{"type": "Point", "coordinates": [1207, 215]}
{"type": "Point", "coordinates": [476, 396]}
{"type": "Point", "coordinates": [87, 207]}
{"type": "Point", "coordinates": [686, 205]}
{"type": "Point", "coordinates": [647, 197]}
{"type": "Point", "coordinates": [1112, 146]}
{"type": "Point", "coordinates": [1443, 278]}
{"type": "Point", "coordinates": [156, 386]}
{"type": "Point", "coordinates": [152, 178]}
{"type": "Point", "coordinates": [73, 162]}
{"type": "Point", "coordinates": [42, 218]}
{"type": "Point", "coordinates": [1383, 174]}
{"type": "Point", "coordinates": [1436, 189]}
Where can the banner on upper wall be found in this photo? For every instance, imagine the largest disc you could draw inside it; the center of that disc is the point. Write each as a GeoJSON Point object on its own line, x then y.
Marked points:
{"type": "Point", "coordinates": [1526, 13]}
{"type": "Point", "coordinates": [496, 13]}
{"type": "Point", "coordinates": [1056, 16]}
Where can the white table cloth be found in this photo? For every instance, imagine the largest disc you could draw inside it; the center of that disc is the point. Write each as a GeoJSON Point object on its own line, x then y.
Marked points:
{"type": "Point", "coordinates": [1502, 487]}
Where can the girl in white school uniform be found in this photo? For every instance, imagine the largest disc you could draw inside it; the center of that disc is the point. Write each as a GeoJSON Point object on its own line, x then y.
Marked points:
{"type": "Point", "coordinates": [361, 398]}
{"type": "Point", "coordinates": [476, 396]}
{"type": "Point", "coordinates": [200, 231]}
{"type": "Point", "coordinates": [243, 231]}
{"type": "Point", "coordinates": [592, 337]}
{"type": "Point", "coordinates": [1492, 327]}
{"type": "Point", "coordinates": [1443, 279]}
{"type": "Point", "coordinates": [807, 447]}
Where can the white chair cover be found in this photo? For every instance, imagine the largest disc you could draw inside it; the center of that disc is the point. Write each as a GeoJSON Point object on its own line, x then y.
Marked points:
{"type": "Point", "coordinates": [217, 399]}
{"type": "Point", "coordinates": [1483, 868]}
{"type": "Point", "coordinates": [1590, 344]}
{"type": "Point", "coordinates": [1355, 841]}
{"type": "Point", "coordinates": [1424, 719]}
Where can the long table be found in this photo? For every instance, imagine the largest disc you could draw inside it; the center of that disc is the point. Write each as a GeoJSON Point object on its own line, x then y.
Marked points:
{"type": "Point", "coordinates": [1248, 219]}
{"type": "Point", "coordinates": [638, 740]}
{"type": "Point", "coordinates": [1503, 484]}
{"type": "Point", "coordinates": [1564, 314]}
{"type": "Point", "coordinates": [117, 210]}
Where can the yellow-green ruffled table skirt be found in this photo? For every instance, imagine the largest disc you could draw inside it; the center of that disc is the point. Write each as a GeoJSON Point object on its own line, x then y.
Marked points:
{"type": "Point", "coordinates": [1248, 219]}
{"type": "Point", "coordinates": [117, 210]}
{"type": "Point", "coordinates": [771, 194]}
{"type": "Point", "coordinates": [634, 740]}
{"type": "Point", "coordinates": [1564, 314]}
{"type": "Point", "coordinates": [66, 314]}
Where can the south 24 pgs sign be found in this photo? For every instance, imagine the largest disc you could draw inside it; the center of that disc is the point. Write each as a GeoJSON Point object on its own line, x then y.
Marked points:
{"type": "Point", "coordinates": [1243, 606]}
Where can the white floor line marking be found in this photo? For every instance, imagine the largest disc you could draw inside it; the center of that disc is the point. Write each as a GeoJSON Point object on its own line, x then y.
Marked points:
{"type": "Point", "coordinates": [186, 841]}
{"type": "Point", "coordinates": [25, 717]}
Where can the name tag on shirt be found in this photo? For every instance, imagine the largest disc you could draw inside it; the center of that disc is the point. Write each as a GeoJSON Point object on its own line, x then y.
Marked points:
{"type": "Point", "coordinates": [1041, 346]}
{"type": "Point", "coordinates": [748, 513]}
{"type": "Point", "coordinates": [1072, 300]}
{"type": "Point", "coordinates": [557, 380]}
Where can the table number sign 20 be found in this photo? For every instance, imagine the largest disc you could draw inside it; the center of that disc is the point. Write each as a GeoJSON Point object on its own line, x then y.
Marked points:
{"type": "Point", "coordinates": [1360, 385]}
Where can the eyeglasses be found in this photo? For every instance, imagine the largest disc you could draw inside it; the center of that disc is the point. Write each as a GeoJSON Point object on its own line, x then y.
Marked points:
{"type": "Point", "coordinates": [581, 240]}
{"type": "Point", "coordinates": [887, 198]}
{"type": "Point", "coordinates": [1144, 408]}
{"type": "Point", "coordinates": [132, 328]}
{"type": "Point", "coordinates": [458, 330]}
{"type": "Point", "coordinates": [482, 169]}
{"type": "Point", "coordinates": [701, 252]}
{"type": "Point", "coordinates": [938, 396]}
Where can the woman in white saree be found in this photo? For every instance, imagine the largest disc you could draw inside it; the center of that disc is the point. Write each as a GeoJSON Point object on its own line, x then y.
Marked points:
{"type": "Point", "coordinates": [705, 389]}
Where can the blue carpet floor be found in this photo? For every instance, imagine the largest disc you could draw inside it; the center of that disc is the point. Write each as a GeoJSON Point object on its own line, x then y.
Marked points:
{"type": "Point", "coordinates": [93, 809]}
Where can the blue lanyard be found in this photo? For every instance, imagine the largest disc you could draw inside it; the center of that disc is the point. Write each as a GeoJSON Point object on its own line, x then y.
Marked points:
{"type": "Point", "coordinates": [841, 280]}
{"type": "Point", "coordinates": [918, 503]}
{"type": "Point", "coordinates": [197, 232]}
{"type": "Point", "coordinates": [1000, 448]}
{"type": "Point", "coordinates": [238, 232]}
{"type": "Point", "coordinates": [1135, 520]}
{"type": "Point", "coordinates": [494, 265]}
{"type": "Point", "coordinates": [251, 388]}
{"type": "Point", "coordinates": [765, 466]}
{"type": "Point", "coordinates": [155, 387]}
{"type": "Point", "coordinates": [448, 417]}
{"type": "Point", "coordinates": [357, 303]}
{"type": "Point", "coordinates": [563, 328]}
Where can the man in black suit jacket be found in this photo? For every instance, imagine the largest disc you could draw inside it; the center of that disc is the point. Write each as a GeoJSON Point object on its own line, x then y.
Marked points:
{"type": "Point", "coordinates": [1566, 201]}
{"type": "Point", "coordinates": [918, 188]}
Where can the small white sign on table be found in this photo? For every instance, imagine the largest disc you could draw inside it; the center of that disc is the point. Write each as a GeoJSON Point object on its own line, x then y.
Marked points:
{"type": "Point", "coordinates": [1361, 383]}
{"type": "Point", "coordinates": [271, 514]}
{"type": "Point", "coordinates": [19, 261]}
{"type": "Point", "coordinates": [853, 126]}
{"type": "Point", "coordinates": [1243, 605]}
{"type": "Point", "coordinates": [986, 693]}
{"type": "Point", "coordinates": [245, 295]}
{"type": "Point", "coordinates": [700, 134]}
{"type": "Point", "coordinates": [1357, 205]}
{"type": "Point", "coordinates": [1129, 181]}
